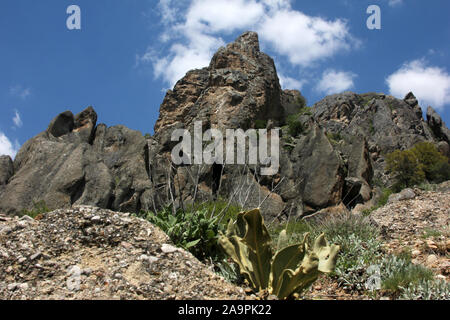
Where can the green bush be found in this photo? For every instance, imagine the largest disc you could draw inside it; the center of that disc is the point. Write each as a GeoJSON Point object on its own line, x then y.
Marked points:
{"type": "Point", "coordinates": [260, 124]}
{"type": "Point", "coordinates": [411, 167]}
{"type": "Point", "coordinates": [406, 169]}
{"type": "Point", "coordinates": [398, 273]}
{"type": "Point", "coordinates": [295, 127]}
{"type": "Point", "coordinates": [39, 207]}
{"type": "Point", "coordinates": [219, 208]}
{"type": "Point", "coordinates": [195, 231]}
{"type": "Point", "coordinates": [427, 290]}
{"type": "Point", "coordinates": [434, 164]}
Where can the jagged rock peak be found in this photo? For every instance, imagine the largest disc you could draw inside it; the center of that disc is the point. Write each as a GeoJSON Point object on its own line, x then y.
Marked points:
{"type": "Point", "coordinates": [248, 41]}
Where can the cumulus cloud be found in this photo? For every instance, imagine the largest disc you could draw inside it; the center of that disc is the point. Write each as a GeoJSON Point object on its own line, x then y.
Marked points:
{"type": "Point", "coordinates": [304, 39]}
{"type": "Point", "coordinates": [20, 92]}
{"type": "Point", "coordinates": [430, 84]}
{"type": "Point", "coordinates": [194, 31]}
{"type": "Point", "coordinates": [291, 83]}
{"type": "Point", "coordinates": [333, 81]}
{"type": "Point", "coordinates": [7, 147]}
{"type": "Point", "coordinates": [17, 120]}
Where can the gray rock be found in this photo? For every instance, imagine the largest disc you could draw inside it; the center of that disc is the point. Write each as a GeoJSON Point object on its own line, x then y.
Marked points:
{"type": "Point", "coordinates": [62, 124]}
{"type": "Point", "coordinates": [406, 194]}
{"type": "Point", "coordinates": [438, 126]}
{"type": "Point", "coordinates": [6, 169]}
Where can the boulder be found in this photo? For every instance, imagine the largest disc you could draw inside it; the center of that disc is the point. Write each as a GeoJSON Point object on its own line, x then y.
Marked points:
{"type": "Point", "coordinates": [406, 194]}
{"type": "Point", "coordinates": [438, 126]}
{"type": "Point", "coordinates": [61, 168]}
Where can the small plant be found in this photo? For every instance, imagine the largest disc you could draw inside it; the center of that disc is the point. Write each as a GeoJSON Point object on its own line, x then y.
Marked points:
{"type": "Point", "coordinates": [398, 273]}
{"type": "Point", "coordinates": [427, 290]}
{"type": "Point", "coordinates": [260, 124]}
{"type": "Point", "coordinates": [195, 231]}
{"type": "Point", "coordinates": [39, 207]}
{"type": "Point", "coordinates": [287, 272]}
{"type": "Point", "coordinates": [295, 127]}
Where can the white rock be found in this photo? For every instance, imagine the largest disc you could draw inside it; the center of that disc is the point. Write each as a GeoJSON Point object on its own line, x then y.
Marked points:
{"type": "Point", "coordinates": [432, 259]}
{"type": "Point", "coordinates": [167, 248]}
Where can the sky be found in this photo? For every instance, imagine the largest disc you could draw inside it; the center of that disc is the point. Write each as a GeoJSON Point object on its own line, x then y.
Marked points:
{"type": "Point", "coordinates": [127, 54]}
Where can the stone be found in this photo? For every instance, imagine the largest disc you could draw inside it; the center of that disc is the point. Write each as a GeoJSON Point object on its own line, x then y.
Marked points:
{"type": "Point", "coordinates": [6, 169]}
{"type": "Point", "coordinates": [406, 194]}
{"type": "Point", "coordinates": [438, 126]}
{"type": "Point", "coordinates": [167, 248]}
{"type": "Point", "coordinates": [431, 259]}
{"type": "Point", "coordinates": [61, 124]}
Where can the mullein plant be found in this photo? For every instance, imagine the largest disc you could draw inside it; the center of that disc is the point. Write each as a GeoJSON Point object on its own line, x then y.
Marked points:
{"type": "Point", "coordinates": [289, 271]}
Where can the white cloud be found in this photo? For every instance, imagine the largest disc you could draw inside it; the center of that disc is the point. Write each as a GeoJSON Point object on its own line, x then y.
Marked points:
{"type": "Point", "coordinates": [304, 39]}
{"type": "Point", "coordinates": [7, 147]}
{"type": "Point", "coordinates": [291, 83]}
{"type": "Point", "coordinates": [394, 3]}
{"type": "Point", "coordinates": [195, 32]}
{"type": "Point", "coordinates": [19, 91]}
{"type": "Point", "coordinates": [430, 84]}
{"type": "Point", "coordinates": [333, 81]}
{"type": "Point", "coordinates": [17, 120]}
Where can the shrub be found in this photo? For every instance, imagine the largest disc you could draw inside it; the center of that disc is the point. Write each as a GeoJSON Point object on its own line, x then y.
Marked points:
{"type": "Point", "coordinates": [195, 231]}
{"type": "Point", "coordinates": [398, 273]}
{"type": "Point", "coordinates": [219, 208]}
{"type": "Point", "coordinates": [39, 207]}
{"type": "Point", "coordinates": [295, 127]}
{"type": "Point", "coordinates": [427, 290]}
{"type": "Point", "coordinates": [413, 166]}
{"type": "Point", "coordinates": [357, 237]}
{"type": "Point", "coordinates": [406, 168]}
{"type": "Point", "coordinates": [435, 165]}
{"type": "Point", "coordinates": [260, 124]}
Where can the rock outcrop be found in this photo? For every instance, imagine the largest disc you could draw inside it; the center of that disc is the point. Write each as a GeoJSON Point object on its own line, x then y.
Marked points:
{"type": "Point", "coordinates": [336, 157]}
{"type": "Point", "coordinates": [88, 253]}
{"type": "Point", "coordinates": [6, 169]}
{"type": "Point", "coordinates": [76, 162]}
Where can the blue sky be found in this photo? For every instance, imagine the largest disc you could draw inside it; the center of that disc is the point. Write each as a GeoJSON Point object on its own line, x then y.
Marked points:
{"type": "Point", "coordinates": [128, 53]}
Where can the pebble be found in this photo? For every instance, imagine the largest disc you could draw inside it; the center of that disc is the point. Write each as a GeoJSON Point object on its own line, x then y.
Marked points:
{"type": "Point", "coordinates": [432, 259]}
{"type": "Point", "coordinates": [96, 219]}
{"type": "Point", "coordinates": [167, 248]}
{"type": "Point", "coordinates": [35, 256]}
{"type": "Point", "coordinates": [12, 286]}
{"type": "Point", "coordinates": [415, 253]}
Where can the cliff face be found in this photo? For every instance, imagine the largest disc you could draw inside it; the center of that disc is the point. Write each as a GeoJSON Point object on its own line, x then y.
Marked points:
{"type": "Point", "coordinates": [336, 156]}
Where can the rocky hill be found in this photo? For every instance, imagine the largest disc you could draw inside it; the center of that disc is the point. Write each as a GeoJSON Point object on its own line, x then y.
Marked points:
{"type": "Point", "coordinates": [337, 156]}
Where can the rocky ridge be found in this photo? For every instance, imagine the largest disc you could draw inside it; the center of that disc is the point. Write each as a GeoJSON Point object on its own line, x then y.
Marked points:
{"type": "Point", "coordinates": [336, 158]}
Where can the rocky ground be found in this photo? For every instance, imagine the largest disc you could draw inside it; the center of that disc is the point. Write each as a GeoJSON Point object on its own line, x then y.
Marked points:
{"type": "Point", "coordinates": [420, 226]}
{"type": "Point", "coordinates": [91, 253]}
{"type": "Point", "coordinates": [415, 222]}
